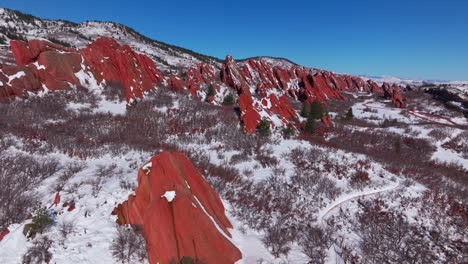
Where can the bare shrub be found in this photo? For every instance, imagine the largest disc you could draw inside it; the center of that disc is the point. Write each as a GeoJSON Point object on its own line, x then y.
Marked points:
{"type": "Point", "coordinates": [38, 252]}
{"type": "Point", "coordinates": [278, 239]}
{"type": "Point", "coordinates": [129, 245]}
{"type": "Point", "coordinates": [314, 242]}
{"type": "Point", "coordinates": [66, 228]}
{"type": "Point", "coordinates": [16, 196]}
{"type": "Point", "coordinates": [387, 237]}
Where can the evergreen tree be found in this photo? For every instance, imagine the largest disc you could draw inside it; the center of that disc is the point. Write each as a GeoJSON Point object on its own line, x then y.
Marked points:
{"type": "Point", "coordinates": [228, 100]}
{"type": "Point", "coordinates": [187, 260]}
{"type": "Point", "coordinates": [288, 131]}
{"type": "Point", "coordinates": [211, 92]}
{"type": "Point", "coordinates": [305, 111]}
{"type": "Point", "coordinates": [310, 125]}
{"type": "Point", "coordinates": [263, 127]}
{"type": "Point", "coordinates": [40, 221]}
{"type": "Point", "coordinates": [316, 110]}
{"type": "Point", "coordinates": [349, 114]}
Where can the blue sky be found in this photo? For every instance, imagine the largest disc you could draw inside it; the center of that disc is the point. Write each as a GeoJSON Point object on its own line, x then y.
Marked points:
{"type": "Point", "coordinates": [403, 38]}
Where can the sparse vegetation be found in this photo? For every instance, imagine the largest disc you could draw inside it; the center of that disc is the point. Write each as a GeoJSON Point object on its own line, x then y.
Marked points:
{"type": "Point", "coordinates": [57, 41]}
{"type": "Point", "coordinates": [40, 221]}
{"type": "Point", "coordinates": [228, 100]}
{"type": "Point", "coordinates": [263, 128]}
{"type": "Point", "coordinates": [129, 246]}
{"type": "Point", "coordinates": [310, 125]}
{"type": "Point", "coordinates": [38, 252]}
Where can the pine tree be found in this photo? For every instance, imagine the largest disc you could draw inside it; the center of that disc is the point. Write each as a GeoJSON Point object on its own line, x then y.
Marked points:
{"type": "Point", "coordinates": [316, 110]}
{"type": "Point", "coordinates": [211, 92]}
{"type": "Point", "coordinates": [310, 125]}
{"type": "Point", "coordinates": [349, 114]}
{"type": "Point", "coordinates": [228, 100]}
{"type": "Point", "coordinates": [263, 127]}
{"type": "Point", "coordinates": [288, 131]}
{"type": "Point", "coordinates": [305, 111]}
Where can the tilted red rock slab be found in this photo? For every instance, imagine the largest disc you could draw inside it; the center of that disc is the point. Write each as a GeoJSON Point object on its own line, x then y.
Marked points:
{"type": "Point", "coordinates": [57, 66]}
{"type": "Point", "coordinates": [186, 226]}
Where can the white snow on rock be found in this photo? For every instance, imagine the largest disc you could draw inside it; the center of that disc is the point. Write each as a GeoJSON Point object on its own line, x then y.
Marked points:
{"type": "Point", "coordinates": [15, 76]}
{"type": "Point", "coordinates": [147, 167]}
{"type": "Point", "coordinates": [169, 195]}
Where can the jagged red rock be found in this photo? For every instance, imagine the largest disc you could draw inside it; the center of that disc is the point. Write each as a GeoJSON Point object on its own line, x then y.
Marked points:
{"type": "Point", "coordinates": [192, 224]}
{"type": "Point", "coordinates": [119, 64]}
{"type": "Point", "coordinates": [56, 67]}
{"type": "Point", "coordinates": [26, 53]}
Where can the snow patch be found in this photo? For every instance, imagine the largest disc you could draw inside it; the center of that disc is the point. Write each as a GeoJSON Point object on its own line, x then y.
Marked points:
{"type": "Point", "coordinates": [169, 195]}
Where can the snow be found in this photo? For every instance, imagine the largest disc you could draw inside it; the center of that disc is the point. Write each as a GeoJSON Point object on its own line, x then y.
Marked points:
{"type": "Point", "coordinates": [113, 107]}
{"type": "Point", "coordinates": [15, 76]}
{"type": "Point", "coordinates": [446, 155]}
{"type": "Point", "coordinates": [14, 244]}
{"type": "Point", "coordinates": [38, 66]}
{"type": "Point", "coordinates": [147, 167]}
{"type": "Point", "coordinates": [169, 195]}
{"type": "Point", "coordinates": [351, 196]}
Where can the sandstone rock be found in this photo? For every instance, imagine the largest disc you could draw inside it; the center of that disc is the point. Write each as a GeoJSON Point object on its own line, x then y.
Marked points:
{"type": "Point", "coordinates": [175, 83]}
{"type": "Point", "coordinates": [181, 215]}
{"type": "Point", "coordinates": [393, 93]}
{"type": "Point", "coordinates": [119, 64]}
{"type": "Point", "coordinates": [250, 117]}
{"type": "Point", "coordinates": [326, 120]}
{"type": "Point", "coordinates": [3, 234]}
{"type": "Point", "coordinates": [26, 53]}
{"type": "Point", "coordinates": [233, 76]}
{"type": "Point", "coordinates": [17, 81]}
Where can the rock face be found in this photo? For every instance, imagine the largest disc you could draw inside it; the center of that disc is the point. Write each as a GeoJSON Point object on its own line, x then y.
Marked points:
{"type": "Point", "coordinates": [137, 73]}
{"type": "Point", "coordinates": [181, 215]}
{"type": "Point", "coordinates": [393, 93]}
{"type": "Point", "coordinates": [263, 91]}
{"type": "Point", "coordinates": [26, 53]}
{"type": "Point", "coordinates": [45, 65]}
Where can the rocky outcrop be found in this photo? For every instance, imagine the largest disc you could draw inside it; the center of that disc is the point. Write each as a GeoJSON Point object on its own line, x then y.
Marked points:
{"type": "Point", "coordinates": [26, 53]}
{"type": "Point", "coordinates": [263, 91]}
{"type": "Point", "coordinates": [52, 66]}
{"type": "Point", "coordinates": [233, 76]}
{"type": "Point", "coordinates": [199, 74]}
{"type": "Point", "coordinates": [181, 215]}
{"type": "Point", "coordinates": [115, 63]}
{"type": "Point", "coordinates": [394, 93]}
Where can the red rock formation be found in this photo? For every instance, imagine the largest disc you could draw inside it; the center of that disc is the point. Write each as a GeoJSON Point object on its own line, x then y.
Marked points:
{"type": "Point", "coordinates": [56, 199]}
{"type": "Point", "coordinates": [326, 120]}
{"type": "Point", "coordinates": [198, 74]}
{"type": "Point", "coordinates": [119, 64]}
{"type": "Point", "coordinates": [175, 83]}
{"type": "Point", "coordinates": [3, 234]}
{"type": "Point", "coordinates": [17, 81]}
{"type": "Point", "coordinates": [249, 115]}
{"type": "Point", "coordinates": [393, 93]}
{"type": "Point", "coordinates": [56, 67]}
{"type": "Point", "coordinates": [233, 76]}
{"type": "Point", "coordinates": [191, 223]}
{"type": "Point", "coordinates": [265, 88]}
{"type": "Point", "coordinates": [26, 53]}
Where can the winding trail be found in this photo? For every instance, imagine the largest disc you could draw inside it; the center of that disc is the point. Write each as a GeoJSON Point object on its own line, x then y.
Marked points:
{"type": "Point", "coordinates": [346, 198]}
{"type": "Point", "coordinates": [332, 253]}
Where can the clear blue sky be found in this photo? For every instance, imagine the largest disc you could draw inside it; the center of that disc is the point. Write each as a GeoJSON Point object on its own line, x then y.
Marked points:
{"type": "Point", "coordinates": [404, 38]}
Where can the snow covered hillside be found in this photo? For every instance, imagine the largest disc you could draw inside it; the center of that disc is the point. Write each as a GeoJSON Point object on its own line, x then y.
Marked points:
{"type": "Point", "coordinates": [111, 156]}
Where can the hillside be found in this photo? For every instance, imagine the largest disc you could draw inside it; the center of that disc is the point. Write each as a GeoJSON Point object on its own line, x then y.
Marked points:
{"type": "Point", "coordinates": [120, 149]}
